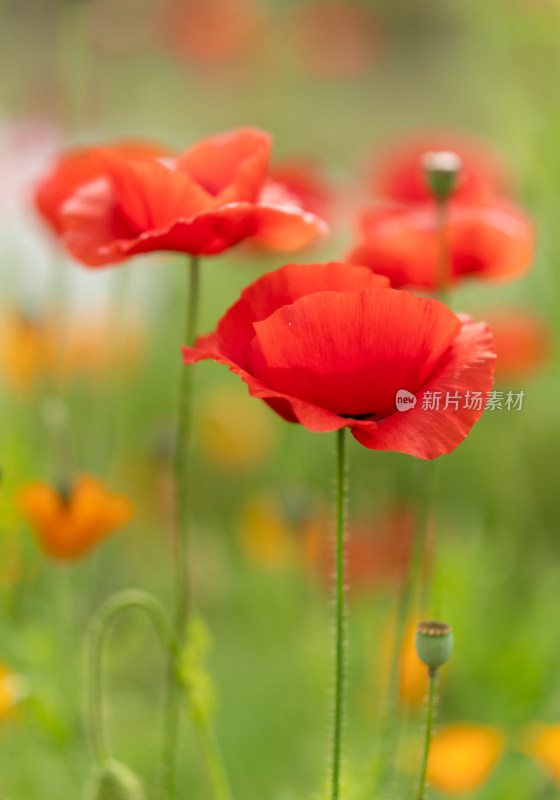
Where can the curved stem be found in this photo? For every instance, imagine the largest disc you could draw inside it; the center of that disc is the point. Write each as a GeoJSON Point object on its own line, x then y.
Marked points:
{"type": "Point", "coordinates": [432, 677]}
{"type": "Point", "coordinates": [340, 661]}
{"type": "Point", "coordinates": [213, 761]}
{"type": "Point", "coordinates": [182, 514]}
{"type": "Point", "coordinates": [389, 726]}
{"type": "Point", "coordinates": [98, 632]}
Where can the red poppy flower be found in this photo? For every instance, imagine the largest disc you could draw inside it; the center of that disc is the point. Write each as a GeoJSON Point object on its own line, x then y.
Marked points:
{"type": "Point", "coordinates": [485, 240]}
{"type": "Point", "coordinates": [398, 173]}
{"type": "Point", "coordinates": [81, 166]}
{"type": "Point", "coordinates": [201, 202]}
{"type": "Point", "coordinates": [329, 346]}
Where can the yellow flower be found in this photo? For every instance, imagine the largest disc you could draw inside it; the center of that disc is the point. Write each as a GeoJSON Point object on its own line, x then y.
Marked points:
{"type": "Point", "coordinates": [266, 536]}
{"type": "Point", "coordinates": [67, 525]}
{"type": "Point", "coordinates": [542, 742]}
{"type": "Point", "coordinates": [233, 432]}
{"type": "Point", "coordinates": [12, 690]}
{"type": "Point", "coordinates": [462, 757]}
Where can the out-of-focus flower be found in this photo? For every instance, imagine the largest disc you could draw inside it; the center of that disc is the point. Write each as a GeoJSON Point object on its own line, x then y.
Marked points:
{"type": "Point", "coordinates": [32, 346]}
{"type": "Point", "coordinates": [336, 38]}
{"type": "Point", "coordinates": [398, 173]}
{"type": "Point", "coordinates": [80, 166]}
{"type": "Point", "coordinates": [523, 342]}
{"type": "Point", "coordinates": [211, 33]}
{"type": "Point", "coordinates": [303, 179]}
{"type": "Point", "coordinates": [462, 757]}
{"type": "Point", "coordinates": [412, 673]}
{"type": "Point", "coordinates": [230, 433]}
{"type": "Point", "coordinates": [376, 553]}
{"type": "Point", "coordinates": [487, 240]}
{"type": "Point", "coordinates": [542, 742]}
{"type": "Point", "coordinates": [274, 528]}
{"type": "Point", "coordinates": [26, 348]}
{"type": "Point", "coordinates": [117, 204]}
{"type": "Point", "coordinates": [328, 346]}
{"type": "Point", "coordinates": [12, 690]}
{"type": "Point", "coordinates": [69, 523]}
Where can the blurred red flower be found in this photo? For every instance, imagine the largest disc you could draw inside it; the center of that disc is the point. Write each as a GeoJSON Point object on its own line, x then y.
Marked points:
{"type": "Point", "coordinates": [398, 174]}
{"type": "Point", "coordinates": [523, 341]}
{"type": "Point", "coordinates": [329, 346]}
{"type": "Point", "coordinates": [211, 32]}
{"type": "Point", "coordinates": [303, 179]}
{"type": "Point", "coordinates": [336, 38]}
{"type": "Point", "coordinates": [486, 240]}
{"type": "Point", "coordinates": [107, 204]}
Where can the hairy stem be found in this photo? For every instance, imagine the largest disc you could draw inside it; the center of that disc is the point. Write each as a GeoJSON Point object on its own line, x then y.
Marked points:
{"type": "Point", "coordinates": [340, 644]}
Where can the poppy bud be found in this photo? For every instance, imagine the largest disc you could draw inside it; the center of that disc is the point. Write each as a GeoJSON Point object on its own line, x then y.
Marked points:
{"type": "Point", "coordinates": [442, 170]}
{"type": "Point", "coordinates": [114, 781]}
{"type": "Point", "coordinates": [434, 643]}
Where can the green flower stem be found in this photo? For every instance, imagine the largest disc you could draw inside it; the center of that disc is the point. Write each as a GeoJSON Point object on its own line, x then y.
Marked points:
{"type": "Point", "coordinates": [212, 759]}
{"type": "Point", "coordinates": [182, 518]}
{"type": "Point", "coordinates": [443, 264]}
{"type": "Point", "coordinates": [340, 644]}
{"type": "Point", "coordinates": [389, 733]}
{"type": "Point", "coordinates": [433, 681]}
{"type": "Point", "coordinates": [97, 635]}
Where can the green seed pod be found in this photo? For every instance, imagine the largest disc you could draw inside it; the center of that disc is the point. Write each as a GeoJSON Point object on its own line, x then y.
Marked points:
{"type": "Point", "coordinates": [441, 170]}
{"type": "Point", "coordinates": [434, 643]}
{"type": "Point", "coordinates": [114, 781]}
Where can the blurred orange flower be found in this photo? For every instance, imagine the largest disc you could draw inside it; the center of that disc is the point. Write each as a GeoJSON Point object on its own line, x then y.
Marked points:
{"type": "Point", "coordinates": [336, 38]}
{"type": "Point", "coordinates": [12, 690]}
{"type": "Point", "coordinates": [303, 178]}
{"type": "Point", "coordinates": [211, 32]}
{"type": "Point", "coordinates": [523, 341]}
{"type": "Point", "coordinates": [376, 553]}
{"type": "Point", "coordinates": [32, 345]}
{"type": "Point", "coordinates": [412, 673]}
{"type": "Point", "coordinates": [273, 529]}
{"type": "Point", "coordinates": [462, 756]}
{"type": "Point", "coordinates": [69, 523]}
{"type": "Point", "coordinates": [232, 432]}
{"type": "Point", "coordinates": [26, 347]}
{"type": "Point", "coordinates": [542, 742]}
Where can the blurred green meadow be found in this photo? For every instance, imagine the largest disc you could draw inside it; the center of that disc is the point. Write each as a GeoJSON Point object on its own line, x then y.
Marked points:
{"type": "Point", "coordinates": [92, 71]}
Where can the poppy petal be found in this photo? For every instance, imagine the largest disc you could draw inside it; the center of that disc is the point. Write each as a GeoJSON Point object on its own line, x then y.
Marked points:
{"type": "Point", "coordinates": [431, 432]}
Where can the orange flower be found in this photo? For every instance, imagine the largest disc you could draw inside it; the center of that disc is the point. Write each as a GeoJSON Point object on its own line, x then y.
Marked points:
{"type": "Point", "coordinates": [233, 433]}
{"type": "Point", "coordinates": [26, 346]}
{"type": "Point", "coordinates": [542, 742]}
{"type": "Point", "coordinates": [272, 529]}
{"type": "Point", "coordinates": [67, 525]}
{"type": "Point", "coordinates": [12, 690]}
{"type": "Point", "coordinates": [522, 339]}
{"type": "Point", "coordinates": [376, 553]}
{"type": "Point", "coordinates": [462, 757]}
{"type": "Point", "coordinates": [34, 345]}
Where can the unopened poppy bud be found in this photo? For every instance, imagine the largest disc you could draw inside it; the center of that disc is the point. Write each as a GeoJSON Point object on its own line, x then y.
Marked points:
{"type": "Point", "coordinates": [114, 781]}
{"type": "Point", "coordinates": [434, 643]}
{"type": "Point", "coordinates": [442, 170]}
